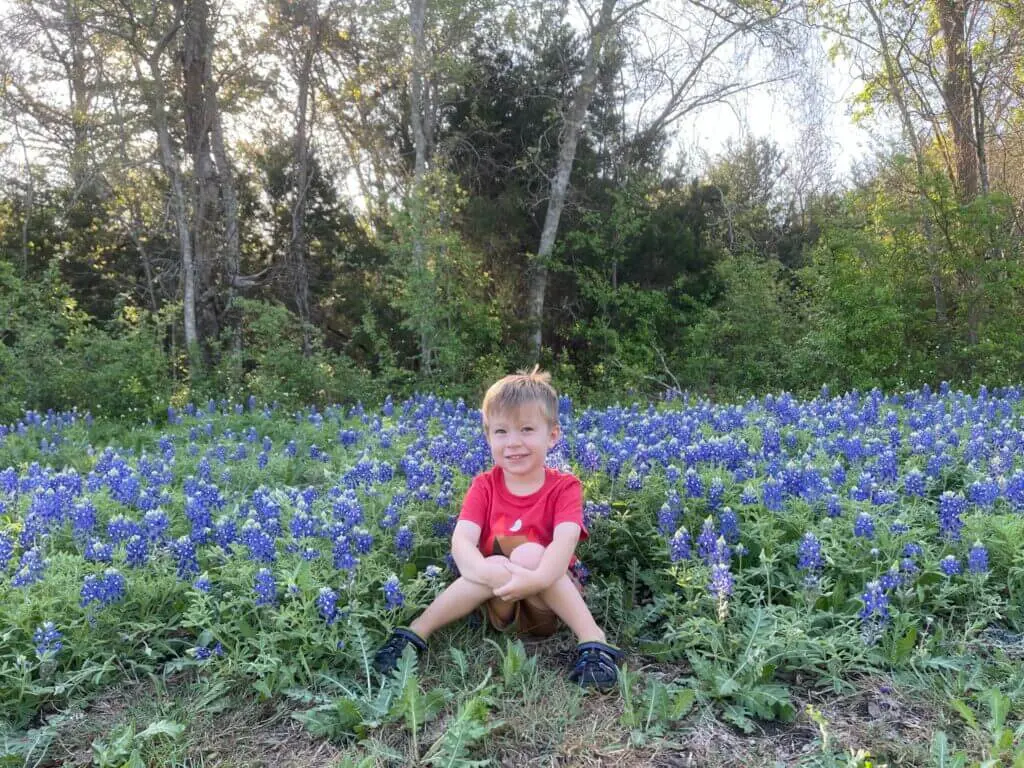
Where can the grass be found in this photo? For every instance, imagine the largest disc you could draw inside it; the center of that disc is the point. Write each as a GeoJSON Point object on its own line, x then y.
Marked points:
{"type": "Point", "coordinates": [539, 718]}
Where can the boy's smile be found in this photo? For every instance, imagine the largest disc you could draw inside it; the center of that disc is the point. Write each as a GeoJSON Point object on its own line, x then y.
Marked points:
{"type": "Point", "coordinates": [519, 443]}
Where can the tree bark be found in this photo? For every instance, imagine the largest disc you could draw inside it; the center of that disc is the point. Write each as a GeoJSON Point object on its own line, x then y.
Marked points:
{"type": "Point", "coordinates": [894, 75]}
{"type": "Point", "coordinates": [956, 93]}
{"type": "Point", "coordinates": [417, 117]}
{"type": "Point", "coordinates": [568, 141]}
{"type": "Point", "coordinates": [298, 247]}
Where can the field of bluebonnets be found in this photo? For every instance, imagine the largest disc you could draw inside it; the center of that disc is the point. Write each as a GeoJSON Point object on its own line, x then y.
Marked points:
{"type": "Point", "coordinates": [759, 561]}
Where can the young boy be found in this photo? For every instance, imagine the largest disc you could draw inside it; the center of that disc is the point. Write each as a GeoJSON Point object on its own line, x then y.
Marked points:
{"type": "Point", "coordinates": [516, 537]}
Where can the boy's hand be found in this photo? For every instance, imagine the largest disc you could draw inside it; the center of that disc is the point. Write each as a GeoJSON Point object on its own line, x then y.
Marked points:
{"type": "Point", "coordinates": [524, 582]}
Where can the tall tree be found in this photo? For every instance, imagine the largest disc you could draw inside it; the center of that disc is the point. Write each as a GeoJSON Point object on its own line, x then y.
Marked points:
{"type": "Point", "coordinates": [677, 85]}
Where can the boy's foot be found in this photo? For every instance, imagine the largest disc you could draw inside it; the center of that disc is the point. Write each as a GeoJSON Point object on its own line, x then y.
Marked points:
{"type": "Point", "coordinates": [385, 660]}
{"type": "Point", "coordinates": [596, 666]}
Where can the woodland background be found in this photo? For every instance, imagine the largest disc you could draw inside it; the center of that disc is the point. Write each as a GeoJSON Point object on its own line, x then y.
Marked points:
{"type": "Point", "coordinates": [323, 201]}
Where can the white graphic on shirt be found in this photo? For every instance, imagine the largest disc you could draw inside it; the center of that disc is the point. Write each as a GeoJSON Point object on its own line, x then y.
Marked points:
{"type": "Point", "coordinates": [516, 526]}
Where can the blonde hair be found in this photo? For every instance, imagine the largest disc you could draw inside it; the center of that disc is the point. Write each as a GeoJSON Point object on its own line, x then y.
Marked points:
{"type": "Point", "coordinates": [516, 390]}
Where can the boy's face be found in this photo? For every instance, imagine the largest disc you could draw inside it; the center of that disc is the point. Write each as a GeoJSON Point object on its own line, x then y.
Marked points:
{"type": "Point", "coordinates": [520, 440]}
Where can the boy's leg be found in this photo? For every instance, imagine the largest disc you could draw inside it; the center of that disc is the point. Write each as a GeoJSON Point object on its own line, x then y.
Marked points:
{"type": "Point", "coordinates": [563, 597]}
{"type": "Point", "coordinates": [459, 599]}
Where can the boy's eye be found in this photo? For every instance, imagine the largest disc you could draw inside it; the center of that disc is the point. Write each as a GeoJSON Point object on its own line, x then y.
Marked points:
{"type": "Point", "coordinates": [499, 431]}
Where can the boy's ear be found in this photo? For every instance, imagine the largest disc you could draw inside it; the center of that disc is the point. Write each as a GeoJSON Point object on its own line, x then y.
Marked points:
{"type": "Point", "coordinates": [556, 432]}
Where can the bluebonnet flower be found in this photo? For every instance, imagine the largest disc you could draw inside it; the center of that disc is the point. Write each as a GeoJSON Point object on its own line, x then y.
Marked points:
{"type": "Point", "coordinates": [98, 551]}
{"type": "Point", "coordinates": [344, 559]}
{"type": "Point", "coordinates": [809, 558]}
{"type": "Point", "coordinates": [327, 604]}
{"type": "Point", "coordinates": [729, 525]}
{"type": "Point", "coordinates": [950, 565]}
{"type": "Point", "coordinates": [951, 507]}
{"type": "Point", "coordinates": [679, 546]}
{"type": "Point", "coordinates": [261, 543]}
{"type": "Point", "coordinates": [393, 597]}
{"type": "Point", "coordinates": [707, 541]}
{"type": "Point", "coordinates": [834, 506]}
{"type": "Point", "coordinates": [363, 540]}
{"type": "Point", "coordinates": [864, 526]}
{"type": "Point", "coordinates": [633, 481]}
{"type": "Point", "coordinates": [291, 449]}
{"type": "Point", "coordinates": [749, 495]}
{"type": "Point", "coordinates": [48, 639]}
{"type": "Point", "coordinates": [716, 493]}
{"type": "Point", "coordinates": [720, 585]}
{"type": "Point", "coordinates": [156, 524]}
{"type": "Point", "coordinates": [404, 543]}
{"type": "Point", "coordinates": [771, 494]}
{"type": "Point", "coordinates": [83, 517]}
{"type": "Point", "coordinates": [186, 561]}
{"type": "Point", "coordinates": [6, 551]}
{"type": "Point", "coordinates": [136, 552]}
{"type": "Point", "coordinates": [891, 578]}
{"type": "Point", "coordinates": [432, 571]}
{"type": "Point", "coordinates": [977, 558]}
{"type": "Point", "coordinates": [721, 580]}
{"type": "Point", "coordinates": [30, 568]}
{"type": "Point", "coordinates": [105, 589]}
{"type": "Point", "coordinates": [694, 485]}
{"type": "Point", "coordinates": [667, 519]}
{"type": "Point", "coordinates": [983, 493]}
{"type": "Point", "coordinates": [202, 583]}
{"type": "Point", "coordinates": [913, 483]}
{"type": "Point", "coordinates": [265, 588]}
{"type": "Point", "coordinates": [898, 527]}
{"type": "Point", "coordinates": [875, 612]}
{"type": "Point", "coordinates": [912, 549]}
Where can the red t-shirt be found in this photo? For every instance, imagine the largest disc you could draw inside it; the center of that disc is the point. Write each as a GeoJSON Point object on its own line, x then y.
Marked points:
{"type": "Point", "coordinates": [515, 519]}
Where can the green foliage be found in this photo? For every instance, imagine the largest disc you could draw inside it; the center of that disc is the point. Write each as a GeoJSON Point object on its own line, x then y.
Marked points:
{"type": "Point", "coordinates": [267, 360]}
{"type": "Point", "coordinates": [744, 341]}
{"type": "Point", "coordinates": [440, 286]}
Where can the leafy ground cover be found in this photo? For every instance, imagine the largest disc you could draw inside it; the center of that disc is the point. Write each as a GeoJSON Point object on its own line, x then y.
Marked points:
{"type": "Point", "coordinates": [828, 582]}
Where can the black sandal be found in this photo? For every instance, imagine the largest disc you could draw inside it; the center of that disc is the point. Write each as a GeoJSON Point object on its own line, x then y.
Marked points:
{"type": "Point", "coordinates": [385, 660]}
{"type": "Point", "coordinates": [596, 666]}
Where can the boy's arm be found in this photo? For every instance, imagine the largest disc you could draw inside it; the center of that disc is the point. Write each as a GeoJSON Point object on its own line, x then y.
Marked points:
{"type": "Point", "coordinates": [473, 566]}
{"type": "Point", "coordinates": [553, 565]}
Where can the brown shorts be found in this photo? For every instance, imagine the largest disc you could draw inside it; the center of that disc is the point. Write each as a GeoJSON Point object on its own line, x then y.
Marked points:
{"type": "Point", "coordinates": [527, 619]}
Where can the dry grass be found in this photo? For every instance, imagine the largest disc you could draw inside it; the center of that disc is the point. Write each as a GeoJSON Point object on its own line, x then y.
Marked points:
{"type": "Point", "coordinates": [558, 727]}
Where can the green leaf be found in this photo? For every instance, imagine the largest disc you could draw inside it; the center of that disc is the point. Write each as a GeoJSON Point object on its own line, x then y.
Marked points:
{"type": "Point", "coordinates": [965, 712]}
{"type": "Point", "coordinates": [162, 728]}
{"type": "Point", "coordinates": [738, 716]}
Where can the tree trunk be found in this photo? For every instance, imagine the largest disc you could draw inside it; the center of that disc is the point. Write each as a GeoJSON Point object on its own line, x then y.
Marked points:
{"type": "Point", "coordinates": [298, 247]}
{"type": "Point", "coordinates": [893, 78]}
{"type": "Point", "coordinates": [417, 117]}
{"type": "Point", "coordinates": [568, 140]}
{"type": "Point", "coordinates": [179, 205]}
{"type": "Point", "coordinates": [956, 93]}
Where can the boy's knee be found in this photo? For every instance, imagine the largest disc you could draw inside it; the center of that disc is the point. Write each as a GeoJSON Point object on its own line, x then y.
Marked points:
{"type": "Point", "coordinates": [527, 555]}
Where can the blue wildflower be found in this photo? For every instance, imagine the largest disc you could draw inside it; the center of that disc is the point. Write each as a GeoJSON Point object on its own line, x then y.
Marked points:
{"type": "Point", "coordinates": [404, 542]}
{"type": "Point", "coordinates": [707, 541]}
{"type": "Point", "coordinates": [393, 597]}
{"type": "Point", "coordinates": [48, 640]}
{"type": "Point", "coordinates": [30, 568]}
{"type": "Point", "coordinates": [265, 588]}
{"type": "Point", "coordinates": [950, 565]}
{"type": "Point", "coordinates": [977, 558]}
{"type": "Point", "coordinates": [951, 507]}
{"type": "Point", "coordinates": [136, 552]}
{"type": "Point", "coordinates": [327, 604]}
{"type": "Point", "coordinates": [679, 546]}
{"type": "Point", "coordinates": [864, 526]}
{"type": "Point", "coordinates": [809, 558]}
{"type": "Point", "coordinates": [729, 525]}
